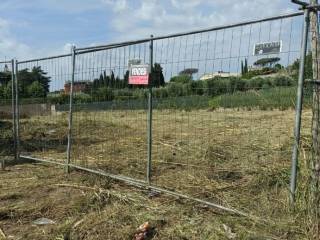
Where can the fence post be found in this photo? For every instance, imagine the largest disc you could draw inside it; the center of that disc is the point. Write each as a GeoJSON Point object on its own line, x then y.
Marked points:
{"type": "Point", "coordinates": [73, 62]}
{"type": "Point", "coordinates": [17, 112]}
{"type": "Point", "coordinates": [13, 92]}
{"type": "Point", "coordinates": [295, 152]}
{"type": "Point", "coordinates": [150, 108]}
{"type": "Point", "coordinates": [314, 165]}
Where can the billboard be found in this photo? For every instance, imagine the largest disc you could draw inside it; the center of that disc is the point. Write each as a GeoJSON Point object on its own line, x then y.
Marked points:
{"type": "Point", "coordinates": [267, 48]}
{"type": "Point", "coordinates": [139, 74]}
{"type": "Point", "coordinates": [135, 61]}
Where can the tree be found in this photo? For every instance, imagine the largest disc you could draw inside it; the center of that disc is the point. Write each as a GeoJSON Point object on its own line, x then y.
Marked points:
{"type": "Point", "coordinates": [26, 78]}
{"type": "Point", "coordinates": [244, 67]}
{"type": "Point", "coordinates": [5, 77]}
{"type": "Point", "coordinates": [188, 71]}
{"type": "Point", "coordinates": [112, 80]}
{"type": "Point", "coordinates": [117, 83]}
{"type": "Point", "coordinates": [157, 77]}
{"type": "Point", "coordinates": [264, 62]}
{"type": "Point", "coordinates": [6, 90]}
{"type": "Point", "coordinates": [36, 90]}
{"type": "Point", "coordinates": [181, 79]}
{"type": "Point", "coordinates": [126, 79]}
{"type": "Point", "coordinates": [40, 76]}
{"type": "Point", "coordinates": [294, 68]}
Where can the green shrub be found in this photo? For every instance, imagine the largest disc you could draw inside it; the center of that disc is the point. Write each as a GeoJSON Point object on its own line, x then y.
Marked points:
{"type": "Point", "coordinates": [161, 92]}
{"type": "Point", "coordinates": [181, 79]}
{"type": "Point", "coordinates": [282, 80]}
{"type": "Point", "coordinates": [58, 98]}
{"type": "Point", "coordinates": [273, 98]}
{"type": "Point", "coordinates": [104, 94]}
{"type": "Point", "coordinates": [79, 98]}
{"type": "Point", "coordinates": [175, 89]}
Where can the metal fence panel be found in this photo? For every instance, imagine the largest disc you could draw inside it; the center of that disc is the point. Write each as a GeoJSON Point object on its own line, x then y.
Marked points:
{"type": "Point", "coordinates": [219, 133]}
{"type": "Point", "coordinates": [7, 114]}
{"type": "Point", "coordinates": [109, 127]}
{"type": "Point", "coordinates": [42, 128]}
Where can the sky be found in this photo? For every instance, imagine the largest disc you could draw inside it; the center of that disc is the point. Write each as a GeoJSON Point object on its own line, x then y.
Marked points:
{"type": "Point", "coordinates": [40, 28]}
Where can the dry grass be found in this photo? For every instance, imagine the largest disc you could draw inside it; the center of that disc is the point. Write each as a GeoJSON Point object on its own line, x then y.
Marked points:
{"type": "Point", "coordinates": [239, 159]}
{"type": "Point", "coordinates": [89, 207]}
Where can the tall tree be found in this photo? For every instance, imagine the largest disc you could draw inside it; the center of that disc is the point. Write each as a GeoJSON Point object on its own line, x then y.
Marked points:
{"type": "Point", "coordinates": [157, 77]}
{"type": "Point", "coordinates": [126, 79]}
{"type": "Point", "coordinates": [40, 76]}
{"type": "Point", "coordinates": [246, 69]}
{"type": "Point", "coordinates": [112, 80]}
{"type": "Point", "coordinates": [188, 71]}
{"type": "Point", "coordinates": [26, 78]}
{"type": "Point", "coordinates": [242, 68]}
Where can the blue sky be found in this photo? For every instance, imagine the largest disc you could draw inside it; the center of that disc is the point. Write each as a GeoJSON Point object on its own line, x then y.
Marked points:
{"type": "Point", "coordinates": [34, 28]}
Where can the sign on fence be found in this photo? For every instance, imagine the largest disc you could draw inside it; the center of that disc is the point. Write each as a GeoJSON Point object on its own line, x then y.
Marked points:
{"type": "Point", "coordinates": [139, 74]}
{"type": "Point", "coordinates": [134, 61]}
{"type": "Point", "coordinates": [267, 48]}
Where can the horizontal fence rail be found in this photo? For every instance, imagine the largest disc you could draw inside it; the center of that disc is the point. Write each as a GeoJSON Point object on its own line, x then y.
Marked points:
{"type": "Point", "coordinates": [215, 124]}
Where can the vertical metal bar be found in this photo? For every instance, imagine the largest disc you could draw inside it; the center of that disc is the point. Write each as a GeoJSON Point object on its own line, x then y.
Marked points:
{"type": "Point", "coordinates": [149, 165]}
{"type": "Point", "coordinates": [14, 121]}
{"type": "Point", "coordinates": [73, 62]}
{"type": "Point", "coordinates": [17, 123]}
{"type": "Point", "coordinates": [295, 152]}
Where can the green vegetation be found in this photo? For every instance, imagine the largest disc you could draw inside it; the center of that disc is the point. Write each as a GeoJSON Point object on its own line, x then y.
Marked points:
{"type": "Point", "coordinates": [32, 84]}
{"type": "Point", "coordinates": [253, 88]}
{"type": "Point", "coordinates": [263, 62]}
{"type": "Point", "coordinates": [266, 99]}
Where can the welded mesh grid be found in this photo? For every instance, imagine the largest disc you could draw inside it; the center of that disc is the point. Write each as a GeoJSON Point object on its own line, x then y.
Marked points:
{"type": "Point", "coordinates": [109, 122]}
{"type": "Point", "coordinates": [7, 144]}
{"type": "Point", "coordinates": [42, 88]}
{"type": "Point", "coordinates": [214, 134]}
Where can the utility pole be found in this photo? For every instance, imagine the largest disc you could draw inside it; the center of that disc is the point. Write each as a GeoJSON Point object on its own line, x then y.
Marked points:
{"type": "Point", "coordinates": [314, 201]}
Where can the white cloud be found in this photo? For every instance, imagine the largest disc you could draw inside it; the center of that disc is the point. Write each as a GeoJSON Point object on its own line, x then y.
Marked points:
{"type": "Point", "coordinates": [9, 46]}
{"type": "Point", "coordinates": [157, 17]}
{"type": "Point", "coordinates": [67, 47]}
{"type": "Point", "coordinates": [186, 4]}
{"type": "Point", "coordinates": [118, 6]}
{"type": "Point", "coordinates": [150, 10]}
{"type": "Point", "coordinates": [140, 18]}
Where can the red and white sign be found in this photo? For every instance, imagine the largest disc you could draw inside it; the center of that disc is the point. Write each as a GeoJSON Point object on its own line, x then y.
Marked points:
{"type": "Point", "coordinates": [139, 75]}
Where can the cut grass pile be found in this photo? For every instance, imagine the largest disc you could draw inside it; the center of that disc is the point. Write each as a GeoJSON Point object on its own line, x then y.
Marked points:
{"type": "Point", "coordinates": [90, 207]}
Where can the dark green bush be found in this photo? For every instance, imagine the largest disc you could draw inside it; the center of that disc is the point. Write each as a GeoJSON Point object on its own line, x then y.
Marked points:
{"type": "Point", "coordinates": [282, 80]}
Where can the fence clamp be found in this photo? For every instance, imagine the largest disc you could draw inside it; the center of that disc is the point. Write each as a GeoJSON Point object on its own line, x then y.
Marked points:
{"type": "Point", "coordinates": [305, 5]}
{"type": "Point", "coordinates": [316, 82]}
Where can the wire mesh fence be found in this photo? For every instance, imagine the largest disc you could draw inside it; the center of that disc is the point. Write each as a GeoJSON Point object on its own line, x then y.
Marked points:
{"type": "Point", "coordinates": [106, 111]}
{"type": "Point", "coordinates": [7, 143]}
{"type": "Point", "coordinates": [222, 112]}
{"type": "Point", "coordinates": [42, 85]}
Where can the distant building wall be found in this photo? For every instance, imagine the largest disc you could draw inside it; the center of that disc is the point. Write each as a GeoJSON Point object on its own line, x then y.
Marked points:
{"type": "Point", "coordinates": [78, 87]}
{"type": "Point", "coordinates": [218, 74]}
{"type": "Point", "coordinates": [29, 110]}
